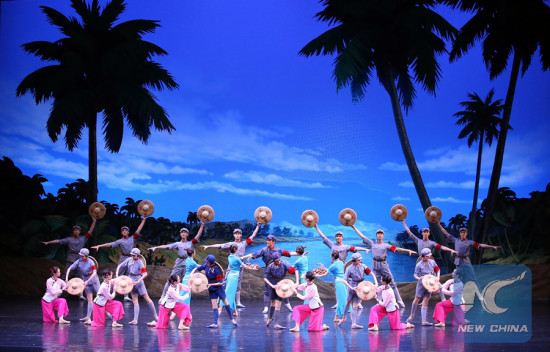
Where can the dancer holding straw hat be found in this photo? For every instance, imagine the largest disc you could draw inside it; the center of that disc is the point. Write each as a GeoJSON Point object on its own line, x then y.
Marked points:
{"type": "Point", "coordinates": [51, 301]}
{"type": "Point", "coordinates": [387, 305]}
{"type": "Point", "coordinates": [87, 268]}
{"type": "Point", "coordinates": [105, 302]}
{"type": "Point", "coordinates": [172, 302]}
{"type": "Point", "coordinates": [314, 309]}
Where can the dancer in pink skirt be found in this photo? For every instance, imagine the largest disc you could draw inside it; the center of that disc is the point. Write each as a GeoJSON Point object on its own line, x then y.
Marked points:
{"type": "Point", "coordinates": [314, 310]}
{"type": "Point", "coordinates": [388, 306]}
{"type": "Point", "coordinates": [169, 303]}
{"type": "Point", "coordinates": [50, 302]}
{"type": "Point", "coordinates": [453, 288]}
{"type": "Point", "coordinates": [104, 302]}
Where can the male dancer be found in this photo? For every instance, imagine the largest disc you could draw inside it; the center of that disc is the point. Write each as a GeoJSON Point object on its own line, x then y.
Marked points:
{"type": "Point", "coordinates": [241, 248]}
{"type": "Point", "coordinates": [126, 243]}
{"type": "Point", "coordinates": [268, 254]}
{"type": "Point", "coordinates": [274, 273]}
{"type": "Point", "coordinates": [379, 264]}
{"type": "Point", "coordinates": [179, 268]}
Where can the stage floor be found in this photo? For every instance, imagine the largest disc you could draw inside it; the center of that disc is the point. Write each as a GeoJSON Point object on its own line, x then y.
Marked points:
{"type": "Point", "coordinates": [22, 329]}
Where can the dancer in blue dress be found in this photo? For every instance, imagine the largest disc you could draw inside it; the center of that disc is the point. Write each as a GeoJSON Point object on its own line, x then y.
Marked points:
{"type": "Point", "coordinates": [234, 277]}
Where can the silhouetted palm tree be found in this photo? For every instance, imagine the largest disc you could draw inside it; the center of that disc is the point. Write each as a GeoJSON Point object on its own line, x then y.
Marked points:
{"type": "Point", "coordinates": [100, 68]}
{"type": "Point", "coordinates": [397, 39]}
{"type": "Point", "coordinates": [481, 121]}
{"type": "Point", "coordinates": [506, 27]}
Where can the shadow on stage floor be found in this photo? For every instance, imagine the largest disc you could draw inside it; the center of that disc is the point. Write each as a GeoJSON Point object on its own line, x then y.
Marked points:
{"type": "Point", "coordinates": [22, 328]}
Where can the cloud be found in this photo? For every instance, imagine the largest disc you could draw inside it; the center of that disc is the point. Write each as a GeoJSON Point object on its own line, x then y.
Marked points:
{"type": "Point", "coordinates": [483, 183]}
{"type": "Point", "coordinates": [391, 166]}
{"type": "Point", "coordinates": [270, 179]}
{"type": "Point", "coordinates": [449, 200]}
{"type": "Point", "coordinates": [399, 198]}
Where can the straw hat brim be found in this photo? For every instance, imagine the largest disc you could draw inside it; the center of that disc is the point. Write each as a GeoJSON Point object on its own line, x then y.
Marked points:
{"type": "Point", "coordinates": [366, 290]}
{"type": "Point", "coordinates": [347, 217]}
{"type": "Point", "coordinates": [197, 282]}
{"type": "Point", "coordinates": [430, 283]}
{"type": "Point", "coordinates": [124, 284]}
{"type": "Point", "coordinates": [205, 214]}
{"type": "Point", "coordinates": [398, 212]}
{"type": "Point", "coordinates": [263, 215]}
{"type": "Point", "coordinates": [307, 215]}
{"type": "Point", "coordinates": [146, 208]}
{"type": "Point", "coordinates": [285, 283]}
{"type": "Point", "coordinates": [97, 210]}
{"type": "Point", "coordinates": [75, 286]}
{"type": "Point", "coordinates": [433, 214]}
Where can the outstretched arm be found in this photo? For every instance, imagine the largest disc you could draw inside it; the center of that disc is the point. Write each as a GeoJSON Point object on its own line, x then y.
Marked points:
{"type": "Point", "coordinates": [448, 235]}
{"type": "Point", "coordinates": [164, 246]}
{"type": "Point", "coordinates": [399, 249]}
{"type": "Point", "coordinates": [92, 226]}
{"type": "Point", "coordinates": [256, 230]}
{"type": "Point", "coordinates": [411, 235]}
{"type": "Point", "coordinates": [199, 233]}
{"type": "Point", "coordinates": [359, 232]}
{"type": "Point", "coordinates": [361, 249]}
{"type": "Point", "coordinates": [140, 227]}
{"type": "Point", "coordinates": [49, 242]}
{"type": "Point", "coordinates": [101, 245]}
{"type": "Point", "coordinates": [483, 245]}
{"type": "Point", "coordinates": [321, 233]}
{"type": "Point", "coordinates": [453, 252]}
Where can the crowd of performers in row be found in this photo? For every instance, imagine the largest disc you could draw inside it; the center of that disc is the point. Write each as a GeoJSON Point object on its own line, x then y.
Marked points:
{"type": "Point", "coordinates": [225, 291]}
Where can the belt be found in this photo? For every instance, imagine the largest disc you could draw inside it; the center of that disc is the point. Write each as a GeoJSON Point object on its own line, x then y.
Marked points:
{"type": "Point", "coordinates": [358, 280]}
{"type": "Point", "coordinates": [379, 260]}
{"type": "Point", "coordinates": [87, 275]}
{"type": "Point", "coordinates": [135, 274]}
{"type": "Point", "coordinates": [463, 256]}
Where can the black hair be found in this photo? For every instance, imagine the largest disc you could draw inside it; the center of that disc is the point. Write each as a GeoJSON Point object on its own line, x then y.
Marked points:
{"type": "Point", "coordinates": [233, 248]}
{"type": "Point", "coordinates": [300, 250]}
{"type": "Point", "coordinates": [190, 251]}
{"type": "Point", "coordinates": [386, 279]}
{"type": "Point", "coordinates": [310, 276]}
{"type": "Point", "coordinates": [54, 269]}
{"type": "Point", "coordinates": [173, 278]}
{"type": "Point", "coordinates": [106, 272]}
{"type": "Point", "coordinates": [335, 255]}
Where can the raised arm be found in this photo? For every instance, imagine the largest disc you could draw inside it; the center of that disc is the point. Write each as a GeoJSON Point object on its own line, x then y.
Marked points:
{"type": "Point", "coordinates": [448, 235]}
{"type": "Point", "coordinates": [92, 226]}
{"type": "Point", "coordinates": [199, 233]}
{"type": "Point", "coordinates": [256, 230]}
{"type": "Point", "coordinates": [359, 233]}
{"type": "Point", "coordinates": [140, 227]}
{"type": "Point", "coordinates": [321, 233]}
{"type": "Point", "coordinates": [411, 235]}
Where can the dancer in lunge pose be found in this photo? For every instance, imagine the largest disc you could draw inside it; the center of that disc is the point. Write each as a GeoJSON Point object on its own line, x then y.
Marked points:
{"type": "Point", "coordinates": [313, 310]}
{"type": "Point", "coordinates": [105, 302]}
{"type": "Point", "coordinates": [386, 306]}
{"type": "Point", "coordinates": [50, 300]}
{"type": "Point", "coordinates": [172, 303]}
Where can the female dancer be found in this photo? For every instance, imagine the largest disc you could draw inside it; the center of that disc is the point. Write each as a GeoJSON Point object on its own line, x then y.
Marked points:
{"type": "Point", "coordinates": [233, 278]}
{"type": "Point", "coordinates": [215, 289]}
{"type": "Point", "coordinates": [353, 276]}
{"type": "Point", "coordinates": [50, 300]}
{"type": "Point", "coordinates": [301, 264]}
{"type": "Point", "coordinates": [426, 266]}
{"type": "Point", "coordinates": [453, 288]}
{"type": "Point", "coordinates": [379, 264]}
{"type": "Point", "coordinates": [137, 272]}
{"type": "Point", "coordinates": [313, 310]}
{"type": "Point", "coordinates": [104, 302]}
{"type": "Point", "coordinates": [337, 271]}
{"type": "Point", "coordinates": [190, 264]}
{"type": "Point", "coordinates": [386, 306]}
{"type": "Point", "coordinates": [88, 273]}
{"type": "Point", "coordinates": [172, 303]}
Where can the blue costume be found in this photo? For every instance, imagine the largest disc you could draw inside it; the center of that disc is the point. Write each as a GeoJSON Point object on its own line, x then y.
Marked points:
{"type": "Point", "coordinates": [337, 271]}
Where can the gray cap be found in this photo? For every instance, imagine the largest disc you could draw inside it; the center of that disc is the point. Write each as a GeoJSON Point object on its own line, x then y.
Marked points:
{"type": "Point", "coordinates": [135, 251]}
{"type": "Point", "coordinates": [426, 252]}
{"type": "Point", "coordinates": [356, 256]}
{"type": "Point", "coordinates": [84, 252]}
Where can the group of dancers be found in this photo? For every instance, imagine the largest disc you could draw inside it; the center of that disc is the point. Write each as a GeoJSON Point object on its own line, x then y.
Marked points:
{"type": "Point", "coordinates": [225, 290]}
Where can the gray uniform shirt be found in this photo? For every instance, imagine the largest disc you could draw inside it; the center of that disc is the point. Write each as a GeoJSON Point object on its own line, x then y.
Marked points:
{"type": "Point", "coordinates": [74, 245]}
{"type": "Point", "coordinates": [342, 249]}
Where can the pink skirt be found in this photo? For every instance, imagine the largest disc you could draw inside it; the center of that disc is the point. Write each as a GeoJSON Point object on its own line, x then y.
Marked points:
{"type": "Point", "coordinates": [302, 312]}
{"type": "Point", "coordinates": [378, 312]}
{"type": "Point", "coordinates": [182, 310]}
{"type": "Point", "coordinates": [58, 304]}
{"type": "Point", "coordinates": [113, 307]}
{"type": "Point", "coordinates": [442, 309]}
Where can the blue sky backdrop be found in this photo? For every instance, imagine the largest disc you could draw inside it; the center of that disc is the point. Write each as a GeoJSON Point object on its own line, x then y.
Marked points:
{"type": "Point", "coordinates": [257, 124]}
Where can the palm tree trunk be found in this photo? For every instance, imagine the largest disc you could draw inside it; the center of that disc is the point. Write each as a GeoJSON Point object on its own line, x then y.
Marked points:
{"type": "Point", "coordinates": [92, 158]}
{"type": "Point", "coordinates": [411, 162]}
{"type": "Point", "coordinates": [499, 155]}
{"type": "Point", "coordinates": [476, 188]}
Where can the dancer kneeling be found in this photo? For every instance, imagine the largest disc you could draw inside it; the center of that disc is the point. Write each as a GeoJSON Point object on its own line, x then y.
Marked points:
{"type": "Point", "coordinates": [50, 302]}
{"type": "Point", "coordinates": [453, 287]}
{"type": "Point", "coordinates": [313, 310]}
{"type": "Point", "coordinates": [388, 306]}
{"type": "Point", "coordinates": [169, 304]}
{"type": "Point", "coordinates": [104, 302]}
{"type": "Point", "coordinates": [215, 288]}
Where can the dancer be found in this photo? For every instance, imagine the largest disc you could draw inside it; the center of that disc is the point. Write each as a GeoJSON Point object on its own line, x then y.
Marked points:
{"type": "Point", "coordinates": [241, 249]}
{"type": "Point", "coordinates": [379, 264]}
{"type": "Point", "coordinates": [215, 289]}
{"type": "Point", "coordinates": [274, 273]}
{"type": "Point", "coordinates": [137, 272]}
{"type": "Point", "coordinates": [104, 302]}
{"type": "Point", "coordinates": [50, 300]}
{"type": "Point", "coordinates": [234, 277]}
{"type": "Point", "coordinates": [179, 268]}
{"type": "Point", "coordinates": [88, 272]}
{"type": "Point", "coordinates": [337, 271]}
{"type": "Point", "coordinates": [301, 264]}
{"type": "Point", "coordinates": [425, 266]}
{"type": "Point", "coordinates": [74, 245]}
{"type": "Point", "coordinates": [313, 308]}
{"type": "Point", "coordinates": [190, 264]}
{"type": "Point", "coordinates": [342, 250]}
{"type": "Point", "coordinates": [352, 277]}
{"type": "Point", "coordinates": [268, 254]}
{"type": "Point", "coordinates": [386, 306]}
{"type": "Point", "coordinates": [172, 303]}
{"type": "Point", "coordinates": [126, 243]}
{"type": "Point", "coordinates": [453, 288]}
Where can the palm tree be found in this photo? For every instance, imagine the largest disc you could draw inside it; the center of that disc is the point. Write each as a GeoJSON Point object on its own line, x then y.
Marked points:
{"type": "Point", "coordinates": [458, 221]}
{"type": "Point", "coordinates": [506, 27]}
{"type": "Point", "coordinates": [481, 122]}
{"type": "Point", "coordinates": [101, 68]}
{"type": "Point", "coordinates": [399, 39]}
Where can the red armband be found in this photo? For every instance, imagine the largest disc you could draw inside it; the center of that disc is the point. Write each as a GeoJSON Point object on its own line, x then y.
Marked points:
{"type": "Point", "coordinates": [286, 254]}
{"type": "Point", "coordinates": [142, 270]}
{"type": "Point", "coordinates": [219, 278]}
{"type": "Point", "coordinates": [87, 235]}
{"type": "Point", "coordinates": [136, 236]}
{"type": "Point", "coordinates": [93, 268]}
{"type": "Point", "coordinates": [438, 246]}
{"type": "Point", "coordinates": [194, 241]}
{"type": "Point", "coordinates": [476, 245]}
{"type": "Point", "coordinates": [367, 271]}
{"type": "Point", "coordinates": [248, 241]}
{"type": "Point", "coordinates": [352, 249]}
{"type": "Point", "coordinates": [436, 269]}
{"type": "Point", "coordinates": [291, 270]}
{"type": "Point", "coordinates": [392, 248]}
